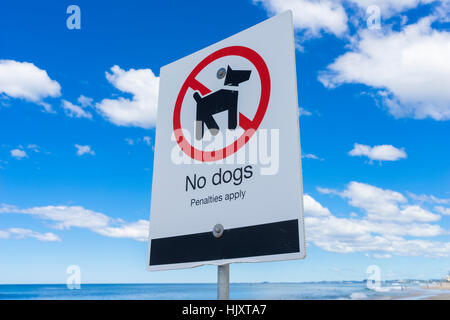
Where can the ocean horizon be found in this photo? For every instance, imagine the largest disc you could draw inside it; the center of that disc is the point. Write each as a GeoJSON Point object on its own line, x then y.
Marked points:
{"type": "Point", "coordinates": [345, 290]}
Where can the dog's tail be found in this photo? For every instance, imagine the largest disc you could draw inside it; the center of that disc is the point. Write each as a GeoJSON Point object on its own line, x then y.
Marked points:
{"type": "Point", "coordinates": [197, 97]}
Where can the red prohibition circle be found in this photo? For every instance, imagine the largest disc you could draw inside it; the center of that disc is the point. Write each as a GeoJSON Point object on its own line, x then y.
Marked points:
{"type": "Point", "coordinates": [250, 126]}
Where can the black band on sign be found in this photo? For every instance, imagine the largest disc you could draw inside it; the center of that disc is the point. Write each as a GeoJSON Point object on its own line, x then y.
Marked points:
{"type": "Point", "coordinates": [253, 241]}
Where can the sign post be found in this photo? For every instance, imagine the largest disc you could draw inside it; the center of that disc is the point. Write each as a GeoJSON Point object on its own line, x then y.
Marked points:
{"type": "Point", "coordinates": [223, 282]}
{"type": "Point", "coordinates": [227, 179]}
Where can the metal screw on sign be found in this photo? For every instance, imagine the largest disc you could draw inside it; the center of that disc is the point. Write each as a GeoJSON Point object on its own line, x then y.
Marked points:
{"type": "Point", "coordinates": [221, 73]}
{"type": "Point", "coordinates": [218, 230]}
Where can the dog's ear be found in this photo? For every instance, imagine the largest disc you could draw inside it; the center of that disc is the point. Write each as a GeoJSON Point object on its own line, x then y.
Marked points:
{"type": "Point", "coordinates": [235, 77]}
{"type": "Point", "coordinates": [197, 97]}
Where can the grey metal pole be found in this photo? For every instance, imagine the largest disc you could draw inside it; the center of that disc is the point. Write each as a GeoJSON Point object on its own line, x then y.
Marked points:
{"type": "Point", "coordinates": [223, 282]}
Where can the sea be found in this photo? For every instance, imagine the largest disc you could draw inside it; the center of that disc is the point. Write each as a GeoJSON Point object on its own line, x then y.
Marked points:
{"type": "Point", "coordinates": [240, 291]}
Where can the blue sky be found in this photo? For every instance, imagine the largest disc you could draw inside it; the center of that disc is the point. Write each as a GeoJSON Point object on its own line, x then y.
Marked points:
{"type": "Point", "coordinates": [76, 174]}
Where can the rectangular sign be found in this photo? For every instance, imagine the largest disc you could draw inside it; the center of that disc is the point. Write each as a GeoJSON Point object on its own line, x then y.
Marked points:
{"type": "Point", "coordinates": [227, 180]}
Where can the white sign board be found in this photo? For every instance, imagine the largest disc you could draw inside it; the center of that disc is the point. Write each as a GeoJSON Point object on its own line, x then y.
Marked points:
{"type": "Point", "coordinates": [227, 154]}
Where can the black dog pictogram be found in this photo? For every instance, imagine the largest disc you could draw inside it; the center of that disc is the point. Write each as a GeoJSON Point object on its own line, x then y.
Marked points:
{"type": "Point", "coordinates": [219, 101]}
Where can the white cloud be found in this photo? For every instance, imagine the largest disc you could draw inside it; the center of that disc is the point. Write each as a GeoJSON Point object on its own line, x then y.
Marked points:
{"type": "Point", "coordinates": [66, 217]}
{"type": "Point", "coordinates": [84, 150]}
{"type": "Point", "coordinates": [27, 233]}
{"type": "Point", "coordinates": [140, 111]}
{"type": "Point", "coordinates": [147, 140]}
{"type": "Point", "coordinates": [326, 190]}
{"type": "Point", "coordinates": [416, 213]}
{"type": "Point", "coordinates": [381, 152]}
{"type": "Point", "coordinates": [304, 112]}
{"type": "Point", "coordinates": [351, 235]}
{"type": "Point", "coordinates": [26, 81]}
{"type": "Point", "coordinates": [314, 208]}
{"type": "Point", "coordinates": [382, 256]}
{"type": "Point", "coordinates": [383, 204]}
{"type": "Point", "coordinates": [442, 210]}
{"type": "Point", "coordinates": [135, 230]}
{"type": "Point", "coordinates": [382, 237]}
{"type": "Point", "coordinates": [75, 111]}
{"type": "Point", "coordinates": [442, 11]}
{"type": "Point", "coordinates": [370, 198]}
{"type": "Point", "coordinates": [34, 147]}
{"type": "Point", "coordinates": [85, 101]}
{"type": "Point", "coordinates": [312, 16]}
{"type": "Point", "coordinates": [311, 156]}
{"type": "Point", "coordinates": [18, 153]}
{"type": "Point", "coordinates": [409, 68]}
{"type": "Point", "coordinates": [366, 226]}
{"type": "Point", "coordinates": [427, 198]}
{"type": "Point", "coordinates": [6, 208]}
{"type": "Point", "coordinates": [19, 233]}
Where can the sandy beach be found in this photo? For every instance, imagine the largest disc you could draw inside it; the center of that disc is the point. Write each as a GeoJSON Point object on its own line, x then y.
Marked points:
{"type": "Point", "coordinates": [434, 291]}
{"type": "Point", "coordinates": [440, 297]}
{"type": "Point", "coordinates": [442, 286]}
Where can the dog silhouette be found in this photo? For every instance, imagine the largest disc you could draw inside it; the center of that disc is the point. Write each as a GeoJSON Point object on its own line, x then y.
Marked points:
{"type": "Point", "coordinates": [219, 101]}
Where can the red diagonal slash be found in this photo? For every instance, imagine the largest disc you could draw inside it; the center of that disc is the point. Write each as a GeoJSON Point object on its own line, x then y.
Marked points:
{"type": "Point", "coordinates": [198, 86]}
{"type": "Point", "coordinates": [244, 122]}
